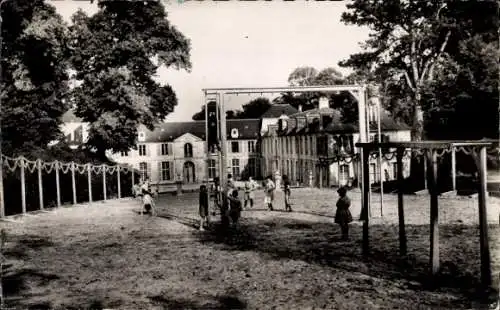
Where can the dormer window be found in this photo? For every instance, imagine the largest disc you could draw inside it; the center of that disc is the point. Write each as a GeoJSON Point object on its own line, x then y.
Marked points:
{"type": "Point", "coordinates": [142, 136]}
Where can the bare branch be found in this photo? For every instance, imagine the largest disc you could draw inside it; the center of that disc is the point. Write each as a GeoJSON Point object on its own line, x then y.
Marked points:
{"type": "Point", "coordinates": [408, 80]}
{"type": "Point", "coordinates": [413, 60]}
{"type": "Point", "coordinates": [438, 56]}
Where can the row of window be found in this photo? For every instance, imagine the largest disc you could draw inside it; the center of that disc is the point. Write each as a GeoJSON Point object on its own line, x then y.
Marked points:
{"type": "Point", "coordinates": [294, 171]}
{"type": "Point", "coordinates": [305, 144]}
{"type": "Point", "coordinates": [285, 145]}
{"type": "Point", "coordinates": [165, 169]}
{"type": "Point", "coordinates": [165, 149]}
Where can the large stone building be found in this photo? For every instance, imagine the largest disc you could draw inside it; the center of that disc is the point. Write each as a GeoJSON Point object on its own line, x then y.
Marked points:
{"type": "Point", "coordinates": [176, 151]}
{"type": "Point", "coordinates": [316, 148]}
{"type": "Point", "coordinates": [298, 144]}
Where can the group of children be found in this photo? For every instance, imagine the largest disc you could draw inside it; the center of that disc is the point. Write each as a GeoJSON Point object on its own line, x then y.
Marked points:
{"type": "Point", "coordinates": [342, 216]}
{"type": "Point", "coordinates": [233, 212]}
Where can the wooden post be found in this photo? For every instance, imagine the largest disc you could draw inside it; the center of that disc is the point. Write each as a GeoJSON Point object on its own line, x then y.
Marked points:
{"type": "Point", "coordinates": [401, 210]}
{"type": "Point", "coordinates": [73, 182]}
{"type": "Point", "coordinates": [483, 220]}
{"type": "Point", "coordinates": [119, 181]}
{"type": "Point", "coordinates": [133, 179]}
{"type": "Point", "coordinates": [104, 181]}
{"type": "Point", "coordinates": [23, 185]}
{"type": "Point", "coordinates": [425, 173]}
{"type": "Point", "coordinates": [434, 228]}
{"type": "Point", "coordinates": [89, 181]}
{"type": "Point", "coordinates": [321, 176]}
{"type": "Point", "coordinates": [453, 168]}
{"type": "Point", "coordinates": [365, 153]}
{"type": "Point", "coordinates": [40, 183]}
{"type": "Point", "coordinates": [58, 188]}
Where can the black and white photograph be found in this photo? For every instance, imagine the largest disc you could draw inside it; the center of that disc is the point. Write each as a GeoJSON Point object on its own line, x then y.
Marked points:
{"type": "Point", "coordinates": [267, 154]}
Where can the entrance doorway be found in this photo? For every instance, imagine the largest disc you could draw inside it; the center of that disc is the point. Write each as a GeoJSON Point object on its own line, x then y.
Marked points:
{"type": "Point", "coordinates": [189, 172]}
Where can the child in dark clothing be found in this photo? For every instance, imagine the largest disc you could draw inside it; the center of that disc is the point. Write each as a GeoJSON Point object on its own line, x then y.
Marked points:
{"type": "Point", "coordinates": [235, 207]}
{"type": "Point", "coordinates": [343, 216]}
{"type": "Point", "coordinates": [287, 191]}
{"type": "Point", "coordinates": [203, 207]}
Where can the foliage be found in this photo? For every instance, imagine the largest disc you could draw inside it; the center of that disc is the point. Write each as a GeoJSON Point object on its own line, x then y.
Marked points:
{"type": "Point", "coordinates": [410, 41]}
{"type": "Point", "coordinates": [115, 54]}
{"type": "Point", "coordinates": [34, 75]}
{"type": "Point", "coordinates": [308, 76]}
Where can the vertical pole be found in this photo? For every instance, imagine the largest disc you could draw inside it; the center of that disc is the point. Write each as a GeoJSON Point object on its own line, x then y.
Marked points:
{"type": "Point", "coordinates": [362, 137]}
{"type": "Point", "coordinates": [483, 221]}
{"type": "Point", "coordinates": [40, 183]}
{"type": "Point", "coordinates": [207, 151]}
{"type": "Point", "coordinates": [453, 168]}
{"type": "Point", "coordinates": [434, 228]}
{"type": "Point", "coordinates": [133, 176]}
{"type": "Point", "coordinates": [23, 185]}
{"type": "Point", "coordinates": [118, 177]}
{"type": "Point", "coordinates": [89, 181]}
{"type": "Point", "coordinates": [365, 153]}
{"type": "Point", "coordinates": [104, 189]}
{"type": "Point", "coordinates": [401, 210]}
{"type": "Point", "coordinates": [223, 177]}
{"type": "Point", "coordinates": [379, 132]}
{"type": "Point", "coordinates": [425, 173]}
{"type": "Point", "coordinates": [73, 182]}
{"type": "Point", "coordinates": [320, 175]}
{"type": "Point", "coordinates": [58, 188]}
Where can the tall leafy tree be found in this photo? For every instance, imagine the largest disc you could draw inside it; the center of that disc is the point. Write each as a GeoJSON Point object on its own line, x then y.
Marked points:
{"type": "Point", "coordinates": [34, 75]}
{"type": "Point", "coordinates": [115, 54]}
{"type": "Point", "coordinates": [308, 76]}
{"type": "Point", "coordinates": [408, 41]}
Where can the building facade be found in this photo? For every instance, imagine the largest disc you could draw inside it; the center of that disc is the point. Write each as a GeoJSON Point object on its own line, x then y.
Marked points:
{"type": "Point", "coordinates": [316, 148]}
{"type": "Point", "coordinates": [177, 152]}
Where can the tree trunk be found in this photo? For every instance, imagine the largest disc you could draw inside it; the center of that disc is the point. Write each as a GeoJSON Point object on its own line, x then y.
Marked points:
{"type": "Point", "coordinates": [417, 134]}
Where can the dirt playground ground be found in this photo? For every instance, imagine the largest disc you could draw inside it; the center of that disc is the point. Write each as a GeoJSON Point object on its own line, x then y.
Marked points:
{"type": "Point", "coordinates": [107, 256]}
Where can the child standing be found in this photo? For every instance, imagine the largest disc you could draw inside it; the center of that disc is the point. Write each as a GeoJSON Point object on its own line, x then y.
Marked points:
{"type": "Point", "coordinates": [148, 202]}
{"type": "Point", "coordinates": [234, 207]}
{"type": "Point", "coordinates": [249, 188]}
{"type": "Point", "coordinates": [269, 192]}
{"type": "Point", "coordinates": [343, 216]}
{"type": "Point", "coordinates": [287, 191]}
{"type": "Point", "coordinates": [203, 207]}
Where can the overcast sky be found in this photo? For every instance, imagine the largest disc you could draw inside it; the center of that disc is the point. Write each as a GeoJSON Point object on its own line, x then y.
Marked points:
{"type": "Point", "coordinates": [248, 44]}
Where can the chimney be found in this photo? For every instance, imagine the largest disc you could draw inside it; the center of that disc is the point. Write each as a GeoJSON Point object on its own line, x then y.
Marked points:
{"type": "Point", "coordinates": [323, 103]}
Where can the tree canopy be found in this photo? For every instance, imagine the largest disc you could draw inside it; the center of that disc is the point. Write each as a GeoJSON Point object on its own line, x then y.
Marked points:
{"type": "Point", "coordinates": [308, 76]}
{"type": "Point", "coordinates": [34, 75]}
{"type": "Point", "coordinates": [410, 41]}
{"type": "Point", "coordinates": [115, 54]}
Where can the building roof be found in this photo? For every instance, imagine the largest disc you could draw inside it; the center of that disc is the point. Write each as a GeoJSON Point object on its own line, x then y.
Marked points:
{"type": "Point", "coordinates": [278, 109]}
{"type": "Point", "coordinates": [336, 125]}
{"type": "Point", "coordinates": [168, 132]}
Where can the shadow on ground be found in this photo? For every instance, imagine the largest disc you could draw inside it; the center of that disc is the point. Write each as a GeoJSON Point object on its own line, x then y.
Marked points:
{"type": "Point", "coordinates": [15, 277]}
{"type": "Point", "coordinates": [318, 243]}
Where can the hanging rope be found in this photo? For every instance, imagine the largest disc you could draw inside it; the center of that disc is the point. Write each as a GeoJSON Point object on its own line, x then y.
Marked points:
{"type": "Point", "coordinates": [14, 163]}
{"type": "Point", "coordinates": [80, 168]}
{"type": "Point", "coordinates": [96, 169]}
{"type": "Point", "coordinates": [111, 169]}
{"type": "Point", "coordinates": [48, 167]}
{"type": "Point", "coordinates": [30, 165]}
{"type": "Point", "coordinates": [63, 166]}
